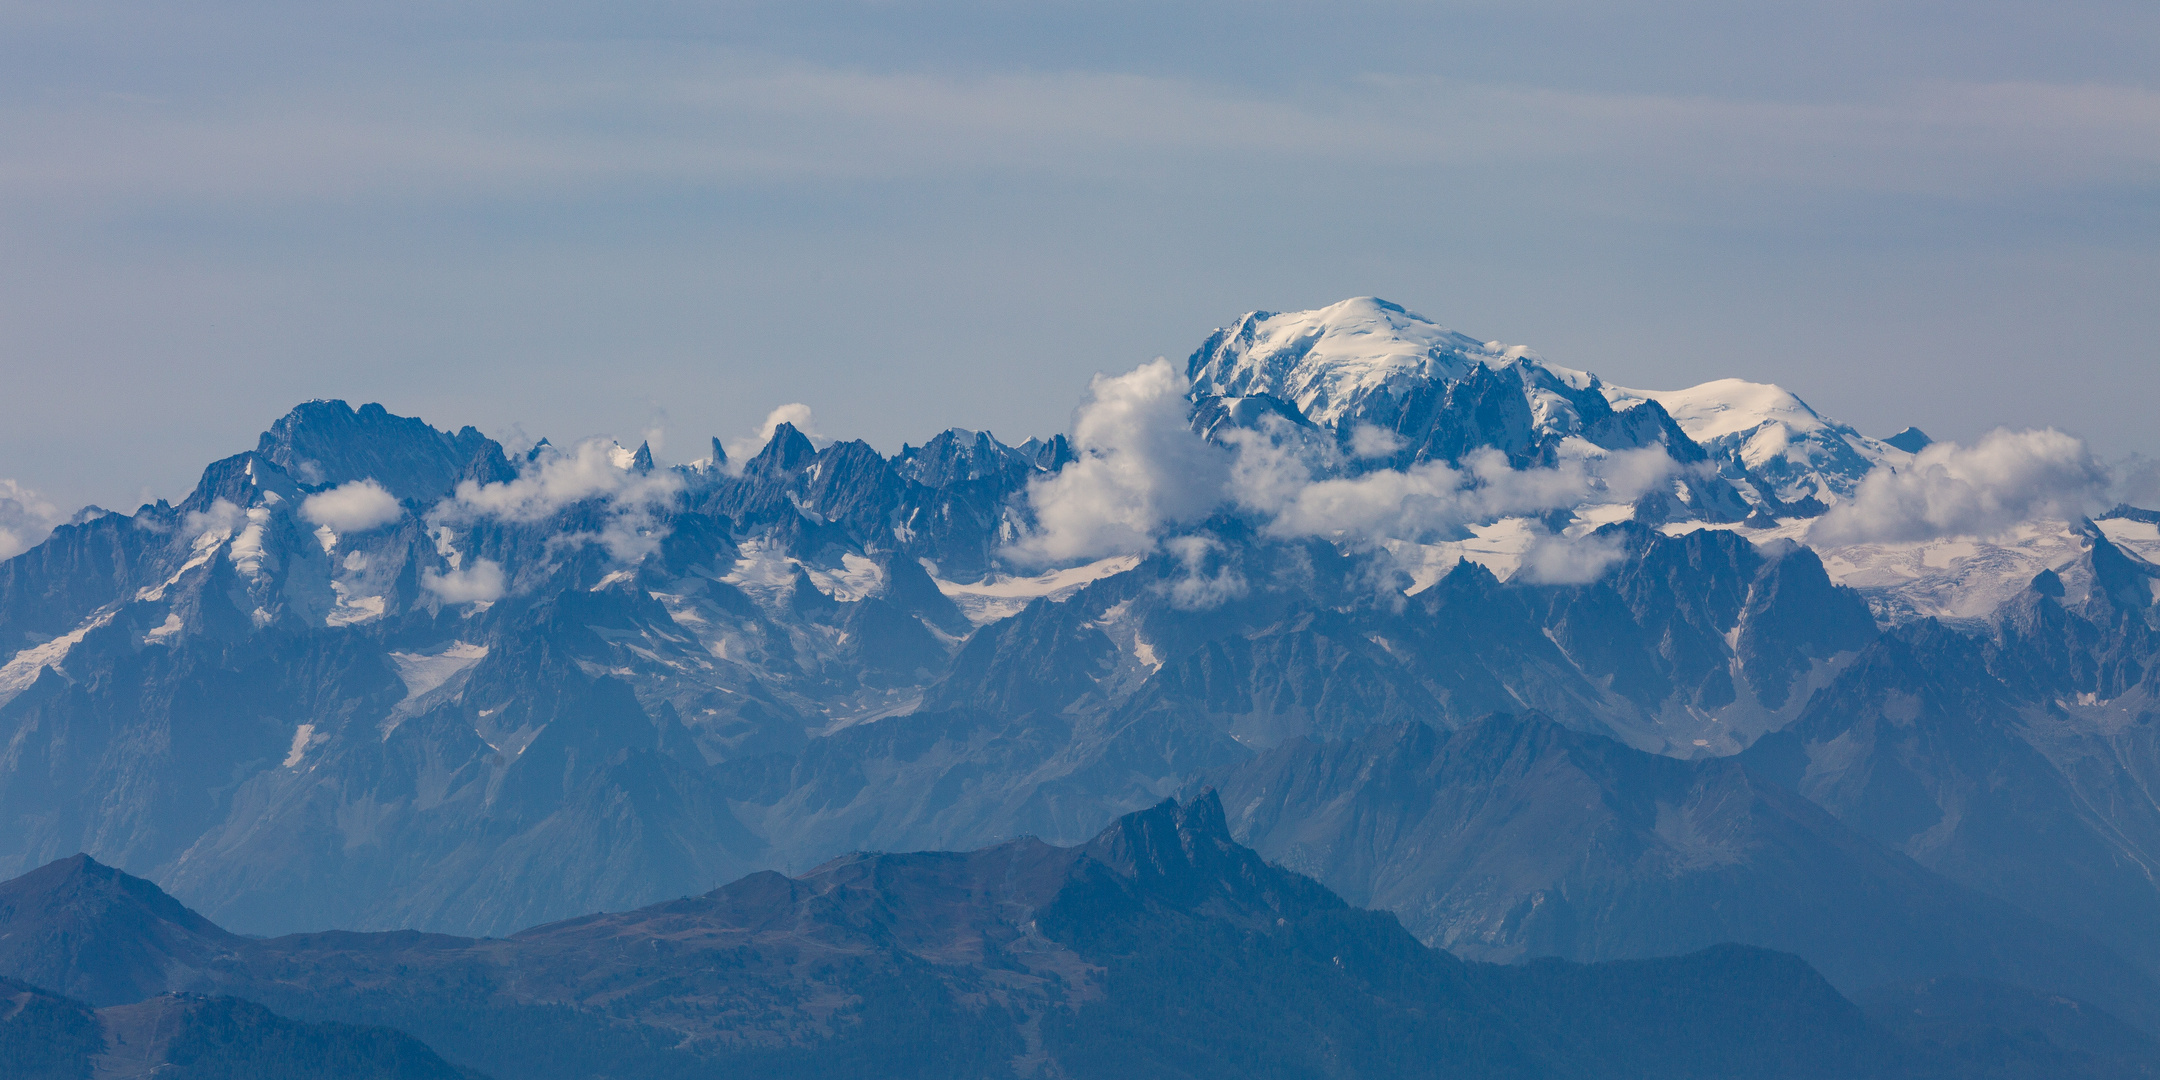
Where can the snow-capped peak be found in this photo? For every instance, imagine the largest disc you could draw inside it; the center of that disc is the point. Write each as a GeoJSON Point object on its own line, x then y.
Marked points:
{"type": "Point", "coordinates": [1724, 407]}
{"type": "Point", "coordinates": [1337, 365]}
{"type": "Point", "coordinates": [1327, 360]}
{"type": "Point", "coordinates": [1772, 433]}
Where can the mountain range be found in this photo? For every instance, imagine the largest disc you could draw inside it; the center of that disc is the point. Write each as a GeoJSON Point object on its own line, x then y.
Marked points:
{"type": "Point", "coordinates": [1161, 947]}
{"type": "Point", "coordinates": [1540, 665]}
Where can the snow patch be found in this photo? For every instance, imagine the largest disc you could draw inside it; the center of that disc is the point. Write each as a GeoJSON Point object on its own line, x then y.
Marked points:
{"type": "Point", "coordinates": [352, 609]}
{"type": "Point", "coordinates": [1144, 652]}
{"type": "Point", "coordinates": [446, 546]}
{"type": "Point", "coordinates": [2141, 538]}
{"type": "Point", "coordinates": [301, 737]}
{"type": "Point", "coordinates": [247, 551]}
{"type": "Point", "coordinates": [857, 578]}
{"type": "Point", "coordinates": [172, 625]}
{"type": "Point", "coordinates": [1955, 578]}
{"type": "Point", "coordinates": [22, 670]}
{"type": "Point", "coordinates": [1498, 547]}
{"type": "Point", "coordinates": [763, 570]}
{"type": "Point", "coordinates": [999, 596]}
{"type": "Point", "coordinates": [204, 549]}
{"type": "Point", "coordinates": [424, 672]}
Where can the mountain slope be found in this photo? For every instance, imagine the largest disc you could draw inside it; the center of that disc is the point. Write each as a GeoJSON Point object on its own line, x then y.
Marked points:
{"type": "Point", "coordinates": [1919, 746]}
{"type": "Point", "coordinates": [44, 1036]}
{"type": "Point", "coordinates": [1161, 947]}
{"type": "Point", "coordinates": [1514, 838]}
{"type": "Point", "coordinates": [656, 687]}
{"type": "Point", "coordinates": [91, 932]}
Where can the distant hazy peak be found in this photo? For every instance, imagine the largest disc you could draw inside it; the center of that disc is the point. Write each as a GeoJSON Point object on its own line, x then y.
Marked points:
{"type": "Point", "coordinates": [1912, 440]}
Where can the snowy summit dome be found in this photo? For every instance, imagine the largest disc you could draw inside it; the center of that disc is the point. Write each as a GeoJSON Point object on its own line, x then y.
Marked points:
{"type": "Point", "coordinates": [1327, 360]}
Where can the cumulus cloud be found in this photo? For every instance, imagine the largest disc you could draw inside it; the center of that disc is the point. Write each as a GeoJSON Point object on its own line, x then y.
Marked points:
{"type": "Point", "coordinates": [1431, 499]}
{"type": "Point", "coordinates": [25, 518]}
{"type": "Point", "coordinates": [352, 507]}
{"type": "Point", "coordinates": [480, 582]}
{"type": "Point", "coordinates": [595, 469]}
{"type": "Point", "coordinates": [1206, 580]}
{"type": "Point", "coordinates": [740, 451]}
{"type": "Point", "coordinates": [1370, 441]}
{"type": "Point", "coordinates": [559, 478]}
{"type": "Point", "coordinates": [1140, 469]}
{"type": "Point", "coordinates": [1553, 559]}
{"type": "Point", "coordinates": [223, 516]}
{"type": "Point", "coordinates": [1142, 472]}
{"type": "Point", "coordinates": [1982, 490]}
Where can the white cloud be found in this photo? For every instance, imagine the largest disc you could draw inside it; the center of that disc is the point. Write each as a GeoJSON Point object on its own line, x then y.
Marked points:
{"type": "Point", "coordinates": [480, 582]}
{"type": "Point", "coordinates": [1983, 490]}
{"type": "Point", "coordinates": [352, 507]}
{"type": "Point", "coordinates": [1140, 468]}
{"type": "Point", "coordinates": [1205, 580]}
{"type": "Point", "coordinates": [559, 478]}
{"type": "Point", "coordinates": [1432, 499]}
{"type": "Point", "coordinates": [25, 518]}
{"type": "Point", "coordinates": [740, 451]}
{"type": "Point", "coordinates": [1369, 441]}
{"type": "Point", "coordinates": [593, 469]}
{"type": "Point", "coordinates": [223, 516]}
{"type": "Point", "coordinates": [1561, 560]}
{"type": "Point", "coordinates": [1142, 472]}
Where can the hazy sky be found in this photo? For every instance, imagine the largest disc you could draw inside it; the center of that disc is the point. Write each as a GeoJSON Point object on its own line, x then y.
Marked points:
{"type": "Point", "coordinates": [565, 219]}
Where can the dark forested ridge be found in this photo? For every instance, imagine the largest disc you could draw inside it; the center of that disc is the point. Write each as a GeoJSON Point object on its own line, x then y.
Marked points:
{"type": "Point", "coordinates": [44, 1036]}
{"type": "Point", "coordinates": [1160, 948]}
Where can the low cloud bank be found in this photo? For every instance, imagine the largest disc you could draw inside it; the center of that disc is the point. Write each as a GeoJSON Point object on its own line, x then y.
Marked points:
{"type": "Point", "coordinates": [26, 518]}
{"type": "Point", "coordinates": [1982, 490]}
{"type": "Point", "coordinates": [1142, 471]}
{"type": "Point", "coordinates": [481, 582]}
{"type": "Point", "coordinates": [1431, 498]}
{"type": "Point", "coordinates": [353, 507]}
{"type": "Point", "coordinates": [592, 470]}
{"type": "Point", "coordinates": [1562, 560]}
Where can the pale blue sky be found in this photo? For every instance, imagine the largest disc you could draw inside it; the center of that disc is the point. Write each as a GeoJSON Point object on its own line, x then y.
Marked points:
{"type": "Point", "coordinates": [566, 219]}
